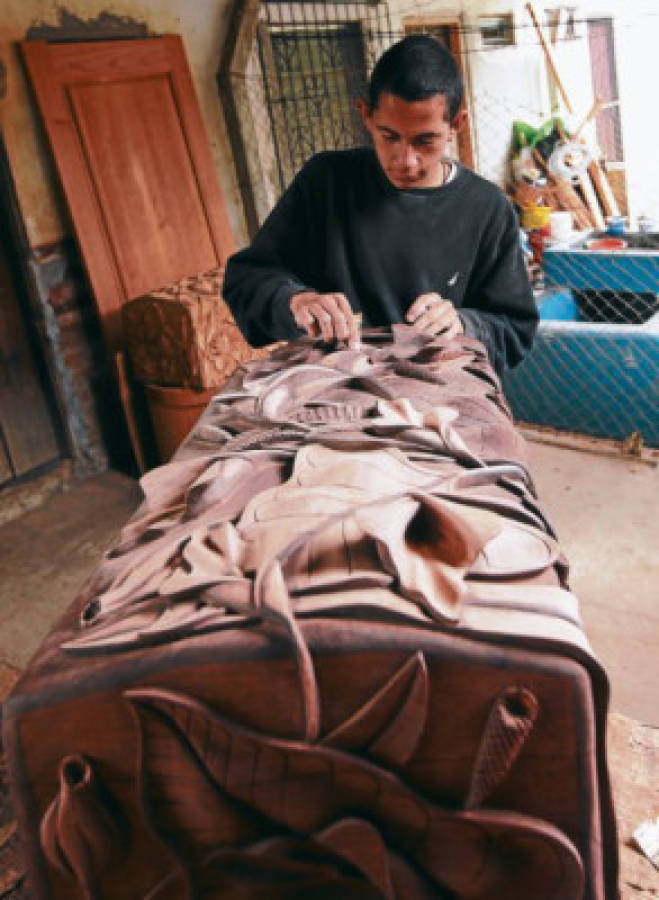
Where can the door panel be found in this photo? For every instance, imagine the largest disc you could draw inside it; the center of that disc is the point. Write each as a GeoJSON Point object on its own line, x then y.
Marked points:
{"type": "Point", "coordinates": [136, 166]}
{"type": "Point", "coordinates": [129, 143]}
{"type": "Point", "coordinates": [27, 434]}
{"type": "Point", "coordinates": [605, 87]}
{"type": "Point", "coordinates": [158, 202]}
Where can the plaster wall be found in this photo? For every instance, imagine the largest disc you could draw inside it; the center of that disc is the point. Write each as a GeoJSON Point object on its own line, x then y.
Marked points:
{"type": "Point", "coordinates": [504, 84]}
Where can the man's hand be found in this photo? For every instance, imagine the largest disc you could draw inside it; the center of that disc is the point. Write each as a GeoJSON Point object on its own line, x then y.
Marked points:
{"type": "Point", "coordinates": [432, 314]}
{"type": "Point", "coordinates": [329, 316]}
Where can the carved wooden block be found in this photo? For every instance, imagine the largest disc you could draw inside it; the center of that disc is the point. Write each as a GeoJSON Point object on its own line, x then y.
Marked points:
{"type": "Point", "coordinates": [184, 335]}
{"type": "Point", "coordinates": [333, 655]}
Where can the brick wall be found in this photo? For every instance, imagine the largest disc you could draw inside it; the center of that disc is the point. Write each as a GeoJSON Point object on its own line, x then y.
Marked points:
{"type": "Point", "coordinates": [85, 391]}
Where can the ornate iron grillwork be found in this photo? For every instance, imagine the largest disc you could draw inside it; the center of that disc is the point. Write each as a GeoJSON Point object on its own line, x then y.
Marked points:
{"type": "Point", "coordinates": [314, 59]}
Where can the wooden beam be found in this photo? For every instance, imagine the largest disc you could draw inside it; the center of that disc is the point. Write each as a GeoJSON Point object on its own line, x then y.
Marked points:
{"type": "Point", "coordinates": [590, 197]}
{"type": "Point", "coordinates": [549, 56]}
{"type": "Point", "coordinates": [603, 189]}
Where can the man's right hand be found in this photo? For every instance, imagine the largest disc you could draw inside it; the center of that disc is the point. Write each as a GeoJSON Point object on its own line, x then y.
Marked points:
{"type": "Point", "coordinates": [329, 316]}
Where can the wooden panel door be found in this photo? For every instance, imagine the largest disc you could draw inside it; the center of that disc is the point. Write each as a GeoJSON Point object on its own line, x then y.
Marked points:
{"type": "Point", "coordinates": [135, 163]}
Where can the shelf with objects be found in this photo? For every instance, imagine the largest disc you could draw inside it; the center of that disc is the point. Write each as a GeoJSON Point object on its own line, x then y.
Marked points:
{"type": "Point", "coordinates": [593, 366]}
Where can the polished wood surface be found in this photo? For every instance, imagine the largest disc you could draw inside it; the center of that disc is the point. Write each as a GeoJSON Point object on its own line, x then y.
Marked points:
{"type": "Point", "coordinates": [130, 147]}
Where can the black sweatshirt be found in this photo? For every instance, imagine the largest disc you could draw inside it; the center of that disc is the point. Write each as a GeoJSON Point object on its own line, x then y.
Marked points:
{"type": "Point", "coordinates": [343, 227]}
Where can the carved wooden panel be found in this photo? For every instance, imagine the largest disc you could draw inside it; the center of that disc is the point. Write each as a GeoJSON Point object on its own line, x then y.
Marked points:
{"type": "Point", "coordinates": [184, 334]}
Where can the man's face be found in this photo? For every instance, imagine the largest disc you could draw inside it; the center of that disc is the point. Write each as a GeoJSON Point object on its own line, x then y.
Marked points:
{"type": "Point", "coordinates": [410, 138]}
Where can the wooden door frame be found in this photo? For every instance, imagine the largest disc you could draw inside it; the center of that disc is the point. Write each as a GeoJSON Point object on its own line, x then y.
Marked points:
{"type": "Point", "coordinates": [18, 251]}
{"type": "Point", "coordinates": [457, 48]}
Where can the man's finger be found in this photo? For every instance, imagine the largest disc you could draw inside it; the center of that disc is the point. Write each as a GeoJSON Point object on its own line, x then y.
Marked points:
{"type": "Point", "coordinates": [437, 317]}
{"type": "Point", "coordinates": [329, 316]}
{"type": "Point", "coordinates": [303, 317]}
{"type": "Point", "coordinates": [299, 306]}
{"type": "Point", "coordinates": [333, 305]}
{"type": "Point", "coordinates": [324, 321]}
{"type": "Point", "coordinates": [350, 332]}
{"type": "Point", "coordinates": [352, 321]}
{"type": "Point", "coordinates": [354, 325]}
{"type": "Point", "coordinates": [454, 330]}
{"type": "Point", "coordinates": [423, 303]}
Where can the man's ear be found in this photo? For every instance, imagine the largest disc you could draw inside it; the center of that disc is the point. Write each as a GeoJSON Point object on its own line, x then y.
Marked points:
{"type": "Point", "coordinates": [459, 120]}
{"type": "Point", "coordinates": [364, 110]}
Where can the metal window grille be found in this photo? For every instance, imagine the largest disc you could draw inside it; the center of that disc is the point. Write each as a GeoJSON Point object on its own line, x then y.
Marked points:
{"type": "Point", "coordinates": [314, 59]}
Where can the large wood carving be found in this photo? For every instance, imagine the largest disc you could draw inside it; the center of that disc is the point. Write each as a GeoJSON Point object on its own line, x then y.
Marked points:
{"type": "Point", "coordinates": [184, 335]}
{"type": "Point", "coordinates": [334, 654]}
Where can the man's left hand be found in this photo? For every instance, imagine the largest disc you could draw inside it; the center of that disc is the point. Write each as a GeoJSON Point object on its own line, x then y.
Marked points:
{"type": "Point", "coordinates": [432, 314]}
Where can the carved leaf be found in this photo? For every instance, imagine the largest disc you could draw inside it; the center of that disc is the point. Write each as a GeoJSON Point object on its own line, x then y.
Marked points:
{"type": "Point", "coordinates": [180, 801]}
{"type": "Point", "coordinates": [306, 788]}
{"type": "Point", "coordinates": [360, 843]}
{"type": "Point", "coordinates": [79, 832]}
{"type": "Point", "coordinates": [509, 724]}
{"type": "Point", "coordinates": [391, 722]}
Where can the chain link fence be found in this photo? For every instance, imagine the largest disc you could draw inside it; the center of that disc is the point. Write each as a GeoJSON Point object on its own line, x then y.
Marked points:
{"type": "Point", "coordinates": [553, 119]}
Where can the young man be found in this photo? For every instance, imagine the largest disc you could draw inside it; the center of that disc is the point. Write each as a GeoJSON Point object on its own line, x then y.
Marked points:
{"type": "Point", "coordinates": [397, 232]}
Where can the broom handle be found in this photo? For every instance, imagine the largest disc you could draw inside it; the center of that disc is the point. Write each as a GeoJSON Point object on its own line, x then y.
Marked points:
{"type": "Point", "coordinates": [551, 62]}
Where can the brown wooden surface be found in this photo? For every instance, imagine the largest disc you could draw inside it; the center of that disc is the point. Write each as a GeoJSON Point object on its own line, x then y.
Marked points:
{"type": "Point", "coordinates": [590, 197]}
{"type": "Point", "coordinates": [368, 683]}
{"type": "Point", "coordinates": [185, 335]}
{"type": "Point", "coordinates": [27, 436]}
{"type": "Point", "coordinates": [603, 189]}
{"type": "Point", "coordinates": [135, 163]}
{"type": "Point", "coordinates": [5, 468]}
{"type": "Point", "coordinates": [633, 759]}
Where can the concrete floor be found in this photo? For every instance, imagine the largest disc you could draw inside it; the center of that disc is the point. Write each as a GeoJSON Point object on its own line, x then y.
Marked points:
{"type": "Point", "coordinates": [605, 513]}
{"type": "Point", "coordinates": [604, 510]}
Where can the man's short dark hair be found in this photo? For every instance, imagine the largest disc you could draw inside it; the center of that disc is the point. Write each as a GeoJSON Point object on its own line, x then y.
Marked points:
{"type": "Point", "coordinates": [415, 68]}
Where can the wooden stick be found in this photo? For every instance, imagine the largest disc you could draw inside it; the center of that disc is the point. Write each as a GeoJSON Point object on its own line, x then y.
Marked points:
{"type": "Point", "coordinates": [603, 189]}
{"type": "Point", "coordinates": [592, 112]}
{"type": "Point", "coordinates": [126, 398]}
{"type": "Point", "coordinates": [567, 198]}
{"type": "Point", "coordinates": [551, 62]}
{"type": "Point", "coordinates": [590, 197]}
